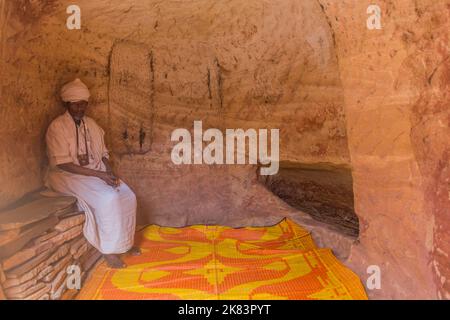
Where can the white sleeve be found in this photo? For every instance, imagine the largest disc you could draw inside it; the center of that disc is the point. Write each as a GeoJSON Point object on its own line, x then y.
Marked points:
{"type": "Point", "coordinates": [58, 149]}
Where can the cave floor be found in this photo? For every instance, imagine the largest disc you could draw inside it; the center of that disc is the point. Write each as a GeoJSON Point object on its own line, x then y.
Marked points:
{"type": "Point", "coordinates": [214, 262]}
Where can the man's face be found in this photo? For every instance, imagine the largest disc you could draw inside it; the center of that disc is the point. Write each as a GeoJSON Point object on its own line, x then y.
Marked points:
{"type": "Point", "coordinates": [77, 109]}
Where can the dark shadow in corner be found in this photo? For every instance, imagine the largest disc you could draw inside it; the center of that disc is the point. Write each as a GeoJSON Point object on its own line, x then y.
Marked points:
{"type": "Point", "coordinates": [322, 190]}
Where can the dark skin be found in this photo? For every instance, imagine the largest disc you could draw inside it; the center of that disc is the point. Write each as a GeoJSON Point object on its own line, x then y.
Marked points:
{"type": "Point", "coordinates": [77, 110]}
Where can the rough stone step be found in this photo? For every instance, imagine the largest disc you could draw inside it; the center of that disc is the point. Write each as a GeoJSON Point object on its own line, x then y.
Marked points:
{"type": "Point", "coordinates": [91, 258]}
{"type": "Point", "coordinates": [32, 268]}
{"type": "Point", "coordinates": [17, 290]}
{"type": "Point", "coordinates": [78, 242]}
{"type": "Point", "coordinates": [28, 253]}
{"type": "Point", "coordinates": [45, 237]}
{"type": "Point", "coordinates": [56, 295]}
{"type": "Point", "coordinates": [10, 248]}
{"type": "Point", "coordinates": [45, 290]}
{"type": "Point", "coordinates": [57, 282]}
{"type": "Point", "coordinates": [33, 212]}
{"type": "Point", "coordinates": [7, 236]}
{"type": "Point", "coordinates": [60, 265]}
{"type": "Point", "coordinates": [59, 254]}
{"type": "Point", "coordinates": [29, 265]}
{"type": "Point", "coordinates": [70, 214]}
{"type": "Point", "coordinates": [25, 255]}
{"type": "Point", "coordinates": [81, 250]}
{"type": "Point", "coordinates": [70, 222]}
{"type": "Point", "coordinates": [30, 291]}
{"type": "Point", "coordinates": [67, 235]}
{"type": "Point", "coordinates": [86, 256]}
{"type": "Point", "coordinates": [39, 272]}
{"type": "Point", "coordinates": [73, 209]}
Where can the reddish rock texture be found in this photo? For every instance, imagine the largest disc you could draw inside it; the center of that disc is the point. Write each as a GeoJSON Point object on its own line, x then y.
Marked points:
{"type": "Point", "coordinates": [387, 76]}
{"type": "Point", "coordinates": [259, 71]}
{"type": "Point", "coordinates": [373, 101]}
{"type": "Point", "coordinates": [430, 135]}
{"type": "Point", "coordinates": [323, 191]}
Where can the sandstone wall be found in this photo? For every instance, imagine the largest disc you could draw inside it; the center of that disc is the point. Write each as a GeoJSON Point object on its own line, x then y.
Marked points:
{"type": "Point", "coordinates": [373, 101]}
{"type": "Point", "coordinates": [249, 65]}
{"type": "Point", "coordinates": [26, 100]}
{"type": "Point", "coordinates": [396, 99]}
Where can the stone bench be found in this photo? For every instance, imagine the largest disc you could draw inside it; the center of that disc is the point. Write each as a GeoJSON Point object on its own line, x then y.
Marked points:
{"type": "Point", "coordinates": [39, 240]}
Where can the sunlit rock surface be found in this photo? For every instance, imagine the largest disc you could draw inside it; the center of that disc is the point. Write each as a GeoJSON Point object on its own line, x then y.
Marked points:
{"type": "Point", "coordinates": [374, 101]}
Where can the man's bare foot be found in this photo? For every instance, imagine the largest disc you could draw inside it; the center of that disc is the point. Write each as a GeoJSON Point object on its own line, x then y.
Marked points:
{"type": "Point", "coordinates": [135, 251]}
{"type": "Point", "coordinates": [114, 261]}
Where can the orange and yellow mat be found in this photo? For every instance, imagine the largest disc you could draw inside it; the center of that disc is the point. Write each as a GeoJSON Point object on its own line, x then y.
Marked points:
{"type": "Point", "coordinates": [221, 263]}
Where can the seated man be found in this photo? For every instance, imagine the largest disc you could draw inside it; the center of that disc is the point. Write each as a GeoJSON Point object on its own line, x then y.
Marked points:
{"type": "Point", "coordinates": [79, 166]}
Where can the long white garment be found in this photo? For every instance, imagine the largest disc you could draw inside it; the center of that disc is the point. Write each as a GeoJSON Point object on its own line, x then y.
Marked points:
{"type": "Point", "coordinates": [110, 212]}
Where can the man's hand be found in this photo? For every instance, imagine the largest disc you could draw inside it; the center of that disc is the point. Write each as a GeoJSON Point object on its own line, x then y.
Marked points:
{"type": "Point", "coordinates": [108, 176]}
{"type": "Point", "coordinates": [108, 166]}
{"type": "Point", "coordinates": [110, 179]}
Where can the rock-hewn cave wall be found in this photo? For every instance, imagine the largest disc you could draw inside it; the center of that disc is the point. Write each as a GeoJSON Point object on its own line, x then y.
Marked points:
{"type": "Point", "coordinates": [27, 98]}
{"type": "Point", "coordinates": [396, 100]}
{"type": "Point", "coordinates": [249, 65]}
{"type": "Point", "coordinates": [373, 101]}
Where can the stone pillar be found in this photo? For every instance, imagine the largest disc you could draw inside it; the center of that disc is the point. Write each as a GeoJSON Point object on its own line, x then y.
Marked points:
{"type": "Point", "coordinates": [396, 223]}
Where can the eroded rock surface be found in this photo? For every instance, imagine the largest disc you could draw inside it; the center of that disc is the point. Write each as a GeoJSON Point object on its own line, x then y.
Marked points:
{"type": "Point", "coordinates": [375, 101]}
{"type": "Point", "coordinates": [324, 191]}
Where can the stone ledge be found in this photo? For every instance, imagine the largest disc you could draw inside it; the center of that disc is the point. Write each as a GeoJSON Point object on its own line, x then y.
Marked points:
{"type": "Point", "coordinates": [38, 241]}
{"type": "Point", "coordinates": [325, 236]}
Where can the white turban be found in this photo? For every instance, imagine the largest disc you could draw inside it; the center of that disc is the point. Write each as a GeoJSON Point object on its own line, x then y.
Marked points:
{"type": "Point", "coordinates": [75, 91]}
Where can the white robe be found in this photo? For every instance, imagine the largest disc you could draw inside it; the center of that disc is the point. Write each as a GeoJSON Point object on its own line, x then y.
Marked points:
{"type": "Point", "coordinates": [110, 212]}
